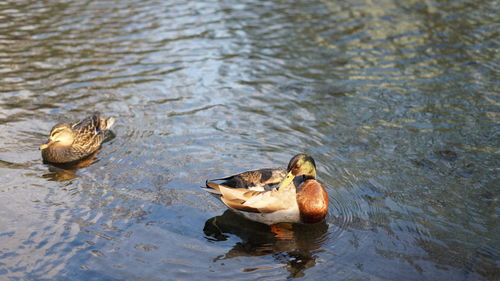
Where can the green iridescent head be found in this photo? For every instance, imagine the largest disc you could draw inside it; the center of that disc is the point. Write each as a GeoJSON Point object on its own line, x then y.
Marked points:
{"type": "Point", "coordinates": [300, 164]}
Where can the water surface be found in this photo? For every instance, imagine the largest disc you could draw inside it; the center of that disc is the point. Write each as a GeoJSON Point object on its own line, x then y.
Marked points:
{"type": "Point", "coordinates": [397, 101]}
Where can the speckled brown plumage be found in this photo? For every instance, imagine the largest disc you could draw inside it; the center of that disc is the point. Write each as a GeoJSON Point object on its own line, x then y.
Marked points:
{"type": "Point", "coordinates": [72, 142]}
{"type": "Point", "coordinates": [262, 178]}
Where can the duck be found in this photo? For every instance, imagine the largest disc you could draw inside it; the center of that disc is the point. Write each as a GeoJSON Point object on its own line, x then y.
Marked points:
{"type": "Point", "coordinates": [68, 143]}
{"type": "Point", "coordinates": [297, 196]}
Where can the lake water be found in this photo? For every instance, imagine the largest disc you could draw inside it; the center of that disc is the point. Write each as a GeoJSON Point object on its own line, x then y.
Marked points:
{"type": "Point", "coordinates": [397, 101]}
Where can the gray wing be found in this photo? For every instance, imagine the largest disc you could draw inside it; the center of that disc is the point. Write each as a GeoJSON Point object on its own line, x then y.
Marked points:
{"type": "Point", "coordinates": [257, 178]}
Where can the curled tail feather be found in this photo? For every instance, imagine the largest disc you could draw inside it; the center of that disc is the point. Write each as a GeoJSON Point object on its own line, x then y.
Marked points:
{"type": "Point", "coordinates": [102, 123]}
{"type": "Point", "coordinates": [108, 123]}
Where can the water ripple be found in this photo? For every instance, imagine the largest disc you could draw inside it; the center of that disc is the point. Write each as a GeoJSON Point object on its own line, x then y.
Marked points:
{"type": "Point", "coordinates": [396, 101]}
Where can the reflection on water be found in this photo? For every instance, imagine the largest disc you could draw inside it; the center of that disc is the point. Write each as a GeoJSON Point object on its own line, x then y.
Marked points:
{"type": "Point", "coordinates": [292, 245]}
{"type": "Point", "coordinates": [60, 174]}
{"type": "Point", "coordinates": [67, 171]}
{"type": "Point", "coordinates": [396, 101]}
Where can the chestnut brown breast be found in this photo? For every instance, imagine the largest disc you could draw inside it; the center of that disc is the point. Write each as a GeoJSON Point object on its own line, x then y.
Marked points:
{"type": "Point", "coordinates": [313, 201]}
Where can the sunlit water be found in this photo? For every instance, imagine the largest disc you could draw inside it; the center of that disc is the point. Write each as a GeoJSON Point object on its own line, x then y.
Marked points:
{"type": "Point", "coordinates": [397, 101]}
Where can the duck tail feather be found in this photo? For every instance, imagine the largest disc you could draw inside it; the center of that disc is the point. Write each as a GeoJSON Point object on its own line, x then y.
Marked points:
{"type": "Point", "coordinates": [109, 122]}
{"type": "Point", "coordinates": [212, 188]}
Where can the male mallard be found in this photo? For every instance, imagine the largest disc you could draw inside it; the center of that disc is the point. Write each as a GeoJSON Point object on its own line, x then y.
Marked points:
{"type": "Point", "coordinates": [72, 142]}
{"type": "Point", "coordinates": [299, 198]}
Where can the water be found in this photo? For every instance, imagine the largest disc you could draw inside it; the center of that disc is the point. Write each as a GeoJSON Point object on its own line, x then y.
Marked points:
{"type": "Point", "coordinates": [397, 101]}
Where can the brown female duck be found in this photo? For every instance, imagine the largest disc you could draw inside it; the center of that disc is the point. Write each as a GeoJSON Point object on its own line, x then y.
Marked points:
{"type": "Point", "coordinates": [72, 142]}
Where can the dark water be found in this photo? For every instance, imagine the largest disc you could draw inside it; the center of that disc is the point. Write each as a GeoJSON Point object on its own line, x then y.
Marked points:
{"type": "Point", "coordinates": [397, 101]}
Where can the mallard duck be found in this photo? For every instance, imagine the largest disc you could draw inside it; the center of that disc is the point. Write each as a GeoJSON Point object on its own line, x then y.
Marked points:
{"type": "Point", "coordinates": [72, 142]}
{"type": "Point", "coordinates": [299, 197]}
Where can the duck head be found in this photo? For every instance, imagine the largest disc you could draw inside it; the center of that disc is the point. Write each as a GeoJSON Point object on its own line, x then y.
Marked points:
{"type": "Point", "coordinates": [60, 134]}
{"type": "Point", "coordinates": [300, 164]}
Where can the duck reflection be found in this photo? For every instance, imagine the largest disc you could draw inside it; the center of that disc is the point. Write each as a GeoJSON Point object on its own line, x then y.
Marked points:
{"type": "Point", "coordinates": [292, 244]}
{"type": "Point", "coordinates": [67, 171]}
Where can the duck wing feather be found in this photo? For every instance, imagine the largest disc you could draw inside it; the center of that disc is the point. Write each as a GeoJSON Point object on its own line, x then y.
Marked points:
{"type": "Point", "coordinates": [255, 178]}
